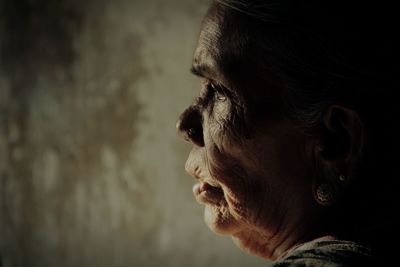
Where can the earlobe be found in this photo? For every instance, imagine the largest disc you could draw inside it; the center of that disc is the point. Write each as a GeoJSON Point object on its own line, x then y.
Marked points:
{"type": "Point", "coordinates": [338, 153]}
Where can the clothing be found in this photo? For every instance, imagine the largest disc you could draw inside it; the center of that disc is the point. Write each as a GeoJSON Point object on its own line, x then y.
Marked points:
{"type": "Point", "coordinates": [329, 253]}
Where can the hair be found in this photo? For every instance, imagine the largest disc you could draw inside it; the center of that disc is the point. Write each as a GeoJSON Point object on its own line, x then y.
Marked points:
{"type": "Point", "coordinates": [328, 52]}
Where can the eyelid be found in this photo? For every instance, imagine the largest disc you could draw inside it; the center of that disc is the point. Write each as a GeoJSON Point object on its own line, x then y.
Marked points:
{"type": "Point", "coordinates": [219, 90]}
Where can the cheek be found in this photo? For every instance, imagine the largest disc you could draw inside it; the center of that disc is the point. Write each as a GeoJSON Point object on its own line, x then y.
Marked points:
{"type": "Point", "coordinates": [231, 163]}
{"type": "Point", "coordinates": [245, 194]}
{"type": "Point", "coordinates": [253, 185]}
{"type": "Point", "coordinates": [221, 111]}
{"type": "Point", "coordinates": [219, 131]}
{"type": "Point", "coordinates": [252, 201]}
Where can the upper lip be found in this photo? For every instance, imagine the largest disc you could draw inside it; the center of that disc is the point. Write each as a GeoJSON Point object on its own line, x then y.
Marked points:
{"type": "Point", "coordinates": [196, 173]}
{"type": "Point", "coordinates": [209, 181]}
{"type": "Point", "coordinates": [194, 169]}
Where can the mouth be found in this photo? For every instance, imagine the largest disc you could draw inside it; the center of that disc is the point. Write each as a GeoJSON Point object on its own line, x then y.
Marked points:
{"type": "Point", "coordinates": [208, 194]}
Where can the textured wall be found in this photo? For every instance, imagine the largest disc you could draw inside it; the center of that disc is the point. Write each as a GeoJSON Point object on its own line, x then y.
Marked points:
{"type": "Point", "coordinates": [91, 168]}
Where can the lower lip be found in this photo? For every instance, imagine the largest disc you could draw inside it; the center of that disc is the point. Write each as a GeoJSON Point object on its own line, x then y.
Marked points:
{"type": "Point", "coordinates": [207, 194]}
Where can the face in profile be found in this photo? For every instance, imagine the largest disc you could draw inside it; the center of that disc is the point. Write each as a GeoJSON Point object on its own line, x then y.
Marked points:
{"type": "Point", "coordinates": [249, 162]}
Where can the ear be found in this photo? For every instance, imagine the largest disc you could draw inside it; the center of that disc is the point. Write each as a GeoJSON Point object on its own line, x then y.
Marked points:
{"type": "Point", "coordinates": [338, 153]}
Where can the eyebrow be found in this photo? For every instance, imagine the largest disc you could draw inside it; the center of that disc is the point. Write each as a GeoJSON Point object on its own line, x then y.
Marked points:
{"type": "Point", "coordinates": [202, 71]}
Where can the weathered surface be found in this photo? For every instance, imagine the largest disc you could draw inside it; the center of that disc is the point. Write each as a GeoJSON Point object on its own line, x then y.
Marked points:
{"type": "Point", "coordinates": [91, 169]}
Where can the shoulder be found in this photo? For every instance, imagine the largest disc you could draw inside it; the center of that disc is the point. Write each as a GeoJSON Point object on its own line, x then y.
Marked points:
{"type": "Point", "coordinates": [332, 253]}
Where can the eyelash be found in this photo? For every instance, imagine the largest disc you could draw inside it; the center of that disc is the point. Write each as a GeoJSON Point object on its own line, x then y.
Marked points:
{"type": "Point", "coordinates": [217, 91]}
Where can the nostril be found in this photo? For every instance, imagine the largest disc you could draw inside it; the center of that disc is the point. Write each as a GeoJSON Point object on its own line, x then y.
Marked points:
{"type": "Point", "coordinates": [182, 131]}
{"type": "Point", "coordinates": [195, 136]}
{"type": "Point", "coordinates": [191, 132]}
{"type": "Point", "coordinates": [183, 134]}
{"type": "Point", "coordinates": [189, 126]}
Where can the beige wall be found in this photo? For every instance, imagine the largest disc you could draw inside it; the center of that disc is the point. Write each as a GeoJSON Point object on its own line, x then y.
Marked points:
{"type": "Point", "coordinates": [91, 168]}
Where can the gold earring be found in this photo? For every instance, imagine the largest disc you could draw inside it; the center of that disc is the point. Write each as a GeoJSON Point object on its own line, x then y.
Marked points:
{"type": "Point", "coordinates": [324, 194]}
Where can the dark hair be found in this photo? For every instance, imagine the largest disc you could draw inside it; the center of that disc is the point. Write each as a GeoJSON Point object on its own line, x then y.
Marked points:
{"type": "Point", "coordinates": [327, 52]}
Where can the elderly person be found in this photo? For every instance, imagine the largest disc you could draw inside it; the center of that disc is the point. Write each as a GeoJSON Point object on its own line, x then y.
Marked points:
{"type": "Point", "coordinates": [293, 133]}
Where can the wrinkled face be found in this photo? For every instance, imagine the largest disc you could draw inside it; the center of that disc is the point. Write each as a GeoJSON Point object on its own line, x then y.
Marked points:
{"type": "Point", "coordinates": [248, 161]}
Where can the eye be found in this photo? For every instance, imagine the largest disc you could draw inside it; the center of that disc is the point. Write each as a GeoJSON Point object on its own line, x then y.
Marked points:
{"type": "Point", "coordinates": [218, 92]}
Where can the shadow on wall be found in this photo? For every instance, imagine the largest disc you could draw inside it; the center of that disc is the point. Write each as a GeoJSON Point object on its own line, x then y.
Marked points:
{"type": "Point", "coordinates": [91, 169]}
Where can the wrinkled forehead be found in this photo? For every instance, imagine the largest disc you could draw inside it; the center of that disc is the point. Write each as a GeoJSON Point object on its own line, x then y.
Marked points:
{"type": "Point", "coordinates": [223, 44]}
{"type": "Point", "coordinates": [229, 51]}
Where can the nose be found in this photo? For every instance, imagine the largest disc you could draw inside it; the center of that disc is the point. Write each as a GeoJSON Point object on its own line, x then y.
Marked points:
{"type": "Point", "coordinates": [189, 126]}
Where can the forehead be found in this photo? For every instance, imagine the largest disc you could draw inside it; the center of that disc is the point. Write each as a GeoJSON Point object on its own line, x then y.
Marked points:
{"type": "Point", "coordinates": [229, 51]}
{"type": "Point", "coordinates": [223, 44]}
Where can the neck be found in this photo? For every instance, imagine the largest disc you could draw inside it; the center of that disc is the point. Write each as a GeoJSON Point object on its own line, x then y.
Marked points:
{"type": "Point", "coordinates": [281, 242]}
{"type": "Point", "coordinates": [267, 249]}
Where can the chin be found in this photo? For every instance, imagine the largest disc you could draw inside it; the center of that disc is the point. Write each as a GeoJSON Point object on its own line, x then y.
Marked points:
{"type": "Point", "coordinates": [220, 221]}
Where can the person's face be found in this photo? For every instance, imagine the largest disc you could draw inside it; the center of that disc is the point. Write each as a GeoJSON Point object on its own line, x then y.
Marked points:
{"type": "Point", "coordinates": [249, 161]}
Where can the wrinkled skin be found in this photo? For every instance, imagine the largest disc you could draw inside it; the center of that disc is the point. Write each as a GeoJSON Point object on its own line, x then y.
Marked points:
{"type": "Point", "coordinates": [250, 162]}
